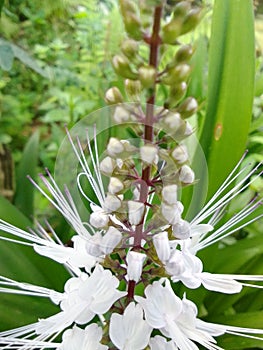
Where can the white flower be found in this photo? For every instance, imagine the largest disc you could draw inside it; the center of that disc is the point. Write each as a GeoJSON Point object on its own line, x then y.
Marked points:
{"type": "Point", "coordinates": [160, 343]}
{"type": "Point", "coordinates": [166, 312]}
{"type": "Point", "coordinates": [135, 212]}
{"type": "Point", "coordinates": [130, 331]}
{"type": "Point", "coordinates": [84, 297]}
{"type": "Point", "coordinates": [82, 339]}
{"type": "Point", "coordinates": [169, 194]}
{"type": "Point", "coordinates": [111, 203]}
{"type": "Point", "coordinates": [135, 262]}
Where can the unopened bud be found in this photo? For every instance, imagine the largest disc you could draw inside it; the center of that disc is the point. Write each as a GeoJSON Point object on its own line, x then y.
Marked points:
{"type": "Point", "coordinates": [191, 20]}
{"type": "Point", "coordinates": [111, 203]}
{"type": "Point", "coordinates": [133, 26]}
{"type": "Point", "coordinates": [107, 165]}
{"type": "Point", "coordinates": [188, 129]}
{"type": "Point", "coordinates": [128, 6]}
{"type": "Point", "coordinates": [186, 175]}
{"type": "Point", "coordinates": [115, 185]}
{"type": "Point", "coordinates": [171, 213]}
{"type": "Point", "coordinates": [169, 194]}
{"type": "Point", "coordinates": [147, 76]}
{"type": "Point", "coordinates": [121, 115]}
{"type": "Point", "coordinates": [133, 88]}
{"type": "Point", "coordinates": [174, 121]}
{"type": "Point", "coordinates": [171, 31]}
{"type": "Point", "coordinates": [114, 147]}
{"type": "Point", "coordinates": [188, 107]}
{"type": "Point", "coordinates": [177, 92]}
{"type": "Point", "coordinates": [162, 246]}
{"type": "Point", "coordinates": [129, 47]}
{"type": "Point", "coordinates": [184, 54]}
{"type": "Point", "coordinates": [180, 154]}
{"type": "Point", "coordinates": [110, 240]}
{"type": "Point", "coordinates": [135, 212]}
{"type": "Point", "coordinates": [99, 218]}
{"type": "Point", "coordinates": [122, 67]}
{"type": "Point", "coordinates": [135, 262]}
{"type": "Point", "coordinates": [177, 74]}
{"type": "Point", "coordinates": [113, 96]}
{"type": "Point", "coordinates": [149, 153]}
{"type": "Point", "coordinates": [181, 9]}
{"type": "Point", "coordinates": [93, 245]}
{"type": "Point", "coordinates": [182, 229]}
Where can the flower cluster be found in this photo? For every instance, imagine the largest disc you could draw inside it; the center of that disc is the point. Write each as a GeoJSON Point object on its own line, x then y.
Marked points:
{"type": "Point", "coordinates": [126, 263]}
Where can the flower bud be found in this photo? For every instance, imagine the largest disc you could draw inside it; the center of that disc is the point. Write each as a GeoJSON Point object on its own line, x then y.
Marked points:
{"type": "Point", "coordinates": [177, 74]}
{"type": "Point", "coordinates": [188, 129]}
{"type": "Point", "coordinates": [135, 212]}
{"type": "Point", "coordinates": [173, 121]}
{"type": "Point", "coordinates": [107, 165]}
{"type": "Point", "coordinates": [148, 153]}
{"type": "Point", "coordinates": [110, 240]}
{"type": "Point", "coordinates": [188, 107]}
{"type": "Point", "coordinates": [184, 54]}
{"type": "Point", "coordinates": [113, 96]}
{"type": "Point", "coordinates": [177, 92]}
{"type": "Point", "coordinates": [114, 147]}
{"type": "Point", "coordinates": [115, 185]}
{"type": "Point", "coordinates": [171, 31]}
{"type": "Point", "coordinates": [186, 174]}
{"type": "Point", "coordinates": [99, 219]}
{"type": "Point", "coordinates": [121, 115]}
{"type": "Point", "coordinates": [180, 154]}
{"type": "Point", "coordinates": [133, 88]}
{"type": "Point", "coordinates": [162, 247]}
{"type": "Point", "coordinates": [135, 262]}
{"type": "Point", "coordinates": [169, 194]}
{"type": "Point", "coordinates": [171, 213]}
{"type": "Point", "coordinates": [129, 47]}
{"type": "Point", "coordinates": [133, 26]}
{"type": "Point", "coordinates": [111, 203]}
{"type": "Point", "coordinates": [128, 6]}
{"type": "Point", "coordinates": [147, 76]}
{"type": "Point", "coordinates": [93, 245]}
{"type": "Point", "coordinates": [191, 20]}
{"type": "Point", "coordinates": [182, 230]}
{"type": "Point", "coordinates": [181, 9]}
{"type": "Point", "coordinates": [122, 67]}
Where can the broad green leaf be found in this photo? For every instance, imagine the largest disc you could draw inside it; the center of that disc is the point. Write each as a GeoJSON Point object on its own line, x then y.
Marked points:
{"type": "Point", "coordinates": [1, 5]}
{"type": "Point", "coordinates": [24, 196]}
{"type": "Point", "coordinates": [230, 92]}
{"type": "Point", "coordinates": [6, 57]}
{"type": "Point", "coordinates": [11, 214]}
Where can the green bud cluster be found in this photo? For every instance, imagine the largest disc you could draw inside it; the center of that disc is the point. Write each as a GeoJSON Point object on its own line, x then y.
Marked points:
{"type": "Point", "coordinates": [141, 76]}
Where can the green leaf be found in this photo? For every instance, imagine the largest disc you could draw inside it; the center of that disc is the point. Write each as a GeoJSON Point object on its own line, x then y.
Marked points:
{"type": "Point", "coordinates": [10, 213]}
{"type": "Point", "coordinates": [230, 93]}
{"type": "Point", "coordinates": [6, 57]}
{"type": "Point", "coordinates": [24, 196]}
{"type": "Point", "coordinates": [1, 5]}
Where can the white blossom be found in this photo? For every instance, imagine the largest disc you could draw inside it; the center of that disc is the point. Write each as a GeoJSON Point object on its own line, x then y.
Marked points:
{"type": "Point", "coordinates": [130, 331]}
{"type": "Point", "coordinates": [115, 147]}
{"type": "Point", "coordinates": [162, 246]}
{"type": "Point", "coordinates": [180, 154]}
{"type": "Point", "coordinates": [82, 339]}
{"type": "Point", "coordinates": [121, 114]}
{"type": "Point", "coordinates": [107, 165]}
{"type": "Point", "coordinates": [160, 343]}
